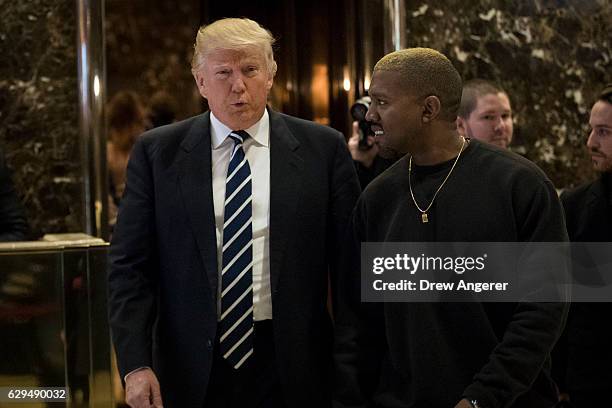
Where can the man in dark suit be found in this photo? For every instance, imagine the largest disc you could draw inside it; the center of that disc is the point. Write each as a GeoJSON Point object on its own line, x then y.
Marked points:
{"type": "Point", "coordinates": [13, 223]}
{"type": "Point", "coordinates": [583, 358]}
{"type": "Point", "coordinates": [229, 226]}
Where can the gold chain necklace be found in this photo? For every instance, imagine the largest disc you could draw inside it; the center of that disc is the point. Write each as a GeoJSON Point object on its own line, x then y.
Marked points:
{"type": "Point", "coordinates": [424, 217]}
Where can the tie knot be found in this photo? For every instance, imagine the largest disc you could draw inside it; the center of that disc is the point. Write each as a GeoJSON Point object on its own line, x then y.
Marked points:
{"type": "Point", "coordinates": [239, 136]}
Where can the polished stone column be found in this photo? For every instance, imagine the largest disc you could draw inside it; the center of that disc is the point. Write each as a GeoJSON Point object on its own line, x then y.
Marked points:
{"type": "Point", "coordinates": [92, 91]}
{"type": "Point", "coordinates": [39, 114]}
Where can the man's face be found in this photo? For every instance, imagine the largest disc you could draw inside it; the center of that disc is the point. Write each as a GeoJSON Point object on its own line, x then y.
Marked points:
{"type": "Point", "coordinates": [236, 84]}
{"type": "Point", "coordinates": [394, 113]}
{"type": "Point", "coordinates": [490, 121]}
{"type": "Point", "coordinates": [600, 138]}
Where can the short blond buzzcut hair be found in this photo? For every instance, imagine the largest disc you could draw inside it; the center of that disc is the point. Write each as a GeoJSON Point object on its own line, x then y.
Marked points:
{"type": "Point", "coordinates": [473, 90]}
{"type": "Point", "coordinates": [233, 34]}
{"type": "Point", "coordinates": [425, 72]}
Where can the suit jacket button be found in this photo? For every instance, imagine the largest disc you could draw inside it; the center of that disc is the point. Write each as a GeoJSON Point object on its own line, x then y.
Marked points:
{"type": "Point", "coordinates": [209, 344]}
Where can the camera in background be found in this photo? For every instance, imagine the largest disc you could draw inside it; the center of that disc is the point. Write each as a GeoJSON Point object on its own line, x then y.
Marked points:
{"type": "Point", "coordinates": [358, 112]}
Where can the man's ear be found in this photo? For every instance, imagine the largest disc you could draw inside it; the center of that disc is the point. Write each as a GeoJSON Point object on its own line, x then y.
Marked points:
{"type": "Point", "coordinates": [461, 126]}
{"type": "Point", "coordinates": [431, 108]}
{"type": "Point", "coordinates": [269, 82]}
{"type": "Point", "coordinates": [200, 82]}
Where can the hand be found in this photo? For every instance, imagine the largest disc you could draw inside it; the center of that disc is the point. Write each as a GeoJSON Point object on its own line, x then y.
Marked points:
{"type": "Point", "coordinates": [365, 157]}
{"type": "Point", "coordinates": [463, 404]}
{"type": "Point", "coordinates": [142, 390]}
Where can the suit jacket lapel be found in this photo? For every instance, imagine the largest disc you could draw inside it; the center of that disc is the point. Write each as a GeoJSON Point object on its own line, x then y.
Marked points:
{"type": "Point", "coordinates": [285, 187]}
{"type": "Point", "coordinates": [195, 181]}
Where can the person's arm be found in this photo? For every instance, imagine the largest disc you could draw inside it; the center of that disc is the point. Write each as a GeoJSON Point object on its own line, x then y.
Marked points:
{"type": "Point", "coordinates": [359, 327]}
{"type": "Point", "coordinates": [344, 192]}
{"type": "Point", "coordinates": [518, 359]}
{"type": "Point", "coordinates": [13, 223]}
{"type": "Point", "coordinates": [349, 370]}
{"type": "Point", "coordinates": [142, 389]}
{"type": "Point", "coordinates": [365, 161]}
{"type": "Point", "coordinates": [132, 281]}
{"type": "Point", "coordinates": [561, 350]}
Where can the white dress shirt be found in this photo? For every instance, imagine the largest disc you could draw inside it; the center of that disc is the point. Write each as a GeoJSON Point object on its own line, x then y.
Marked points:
{"type": "Point", "coordinates": [257, 151]}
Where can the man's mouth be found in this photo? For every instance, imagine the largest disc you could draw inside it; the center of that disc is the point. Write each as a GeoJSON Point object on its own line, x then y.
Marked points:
{"type": "Point", "coordinates": [378, 131]}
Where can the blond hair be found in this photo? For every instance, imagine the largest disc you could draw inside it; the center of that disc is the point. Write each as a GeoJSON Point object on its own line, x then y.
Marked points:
{"type": "Point", "coordinates": [233, 34]}
{"type": "Point", "coordinates": [425, 72]}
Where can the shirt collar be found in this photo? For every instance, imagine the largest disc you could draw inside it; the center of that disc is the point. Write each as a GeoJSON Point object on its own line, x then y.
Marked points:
{"type": "Point", "coordinates": [259, 132]}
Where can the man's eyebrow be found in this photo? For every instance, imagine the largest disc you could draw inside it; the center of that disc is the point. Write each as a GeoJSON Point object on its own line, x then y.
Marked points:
{"type": "Point", "coordinates": [251, 60]}
{"type": "Point", "coordinates": [377, 94]}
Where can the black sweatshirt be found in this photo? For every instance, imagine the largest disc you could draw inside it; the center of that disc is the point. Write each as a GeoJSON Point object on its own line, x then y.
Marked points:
{"type": "Point", "coordinates": [433, 354]}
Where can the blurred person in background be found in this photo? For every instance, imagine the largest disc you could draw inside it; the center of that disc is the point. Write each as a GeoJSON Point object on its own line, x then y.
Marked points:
{"type": "Point", "coordinates": [162, 109]}
{"type": "Point", "coordinates": [583, 357]}
{"type": "Point", "coordinates": [13, 222]}
{"type": "Point", "coordinates": [371, 161]}
{"type": "Point", "coordinates": [126, 121]}
{"type": "Point", "coordinates": [485, 113]}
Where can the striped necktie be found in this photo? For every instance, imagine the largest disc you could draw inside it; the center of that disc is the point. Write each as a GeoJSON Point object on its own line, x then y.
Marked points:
{"type": "Point", "coordinates": [236, 325]}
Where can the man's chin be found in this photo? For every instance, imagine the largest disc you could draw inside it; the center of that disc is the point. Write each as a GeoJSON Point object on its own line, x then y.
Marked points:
{"type": "Point", "coordinates": [388, 153]}
{"type": "Point", "coordinates": [602, 167]}
{"type": "Point", "coordinates": [503, 143]}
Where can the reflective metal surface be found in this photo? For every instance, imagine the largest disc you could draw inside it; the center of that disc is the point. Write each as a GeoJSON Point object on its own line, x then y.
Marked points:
{"type": "Point", "coordinates": [53, 323]}
{"type": "Point", "coordinates": [92, 88]}
{"type": "Point", "coordinates": [395, 20]}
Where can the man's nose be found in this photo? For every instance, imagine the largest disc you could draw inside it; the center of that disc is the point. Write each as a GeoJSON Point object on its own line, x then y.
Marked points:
{"type": "Point", "coordinates": [499, 123]}
{"type": "Point", "coordinates": [591, 140]}
{"type": "Point", "coordinates": [371, 115]}
{"type": "Point", "coordinates": [238, 84]}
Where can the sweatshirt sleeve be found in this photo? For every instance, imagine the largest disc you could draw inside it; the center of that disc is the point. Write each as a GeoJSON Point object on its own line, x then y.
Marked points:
{"type": "Point", "coordinates": [525, 348]}
{"type": "Point", "coordinates": [359, 347]}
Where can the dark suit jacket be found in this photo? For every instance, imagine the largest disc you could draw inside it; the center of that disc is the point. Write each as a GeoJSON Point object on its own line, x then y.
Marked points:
{"type": "Point", "coordinates": [163, 258]}
{"type": "Point", "coordinates": [582, 359]}
{"type": "Point", "coordinates": [13, 223]}
{"type": "Point", "coordinates": [587, 212]}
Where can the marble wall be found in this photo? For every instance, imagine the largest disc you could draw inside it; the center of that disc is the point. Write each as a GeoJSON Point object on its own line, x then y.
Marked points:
{"type": "Point", "coordinates": [552, 56]}
{"type": "Point", "coordinates": [39, 110]}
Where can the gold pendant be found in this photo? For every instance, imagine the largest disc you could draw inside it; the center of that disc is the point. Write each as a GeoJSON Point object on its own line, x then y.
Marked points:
{"type": "Point", "coordinates": [424, 218]}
